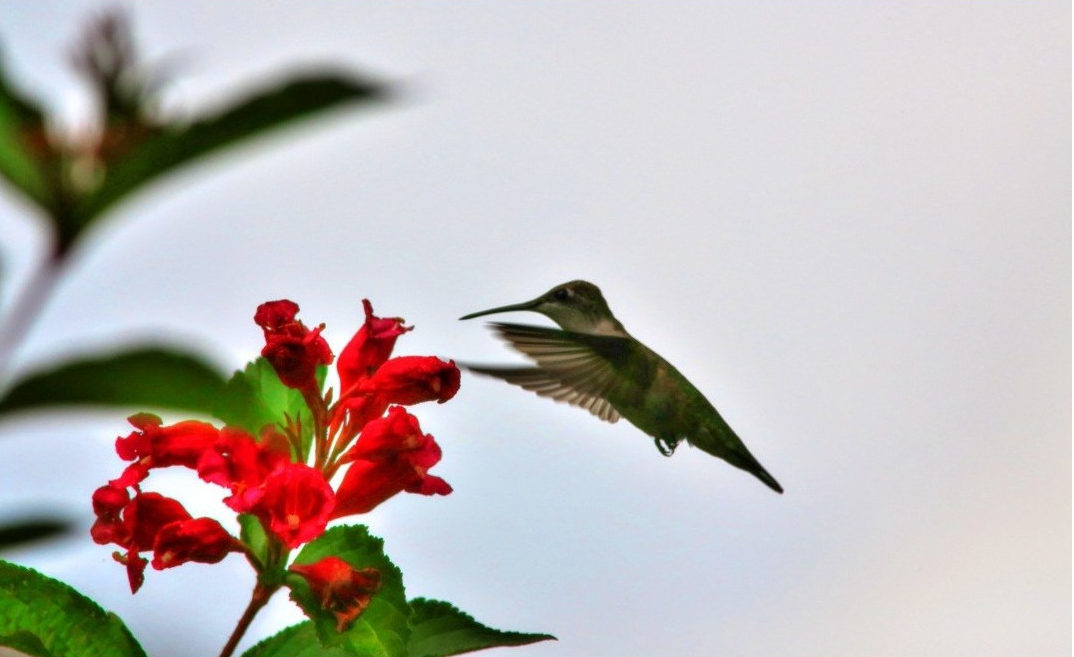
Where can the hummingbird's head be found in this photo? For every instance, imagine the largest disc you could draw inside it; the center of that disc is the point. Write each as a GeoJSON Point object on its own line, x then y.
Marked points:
{"type": "Point", "coordinates": [575, 306]}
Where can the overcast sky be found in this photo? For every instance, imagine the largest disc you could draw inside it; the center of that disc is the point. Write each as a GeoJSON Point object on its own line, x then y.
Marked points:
{"type": "Point", "coordinates": [847, 223]}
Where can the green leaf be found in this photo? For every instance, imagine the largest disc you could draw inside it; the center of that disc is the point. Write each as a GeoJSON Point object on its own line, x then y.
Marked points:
{"type": "Point", "coordinates": [438, 629]}
{"type": "Point", "coordinates": [140, 378]}
{"type": "Point", "coordinates": [382, 629]}
{"type": "Point", "coordinates": [22, 133]}
{"type": "Point", "coordinates": [252, 534]}
{"type": "Point", "coordinates": [255, 397]}
{"type": "Point", "coordinates": [26, 531]}
{"type": "Point", "coordinates": [256, 114]}
{"type": "Point", "coordinates": [296, 641]}
{"type": "Point", "coordinates": [27, 643]}
{"type": "Point", "coordinates": [47, 618]}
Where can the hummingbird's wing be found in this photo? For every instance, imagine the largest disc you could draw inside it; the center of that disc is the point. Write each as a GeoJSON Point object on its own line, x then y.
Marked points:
{"type": "Point", "coordinates": [537, 380]}
{"type": "Point", "coordinates": [578, 368]}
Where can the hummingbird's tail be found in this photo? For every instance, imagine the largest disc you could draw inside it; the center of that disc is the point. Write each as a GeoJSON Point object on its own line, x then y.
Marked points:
{"type": "Point", "coordinates": [723, 443]}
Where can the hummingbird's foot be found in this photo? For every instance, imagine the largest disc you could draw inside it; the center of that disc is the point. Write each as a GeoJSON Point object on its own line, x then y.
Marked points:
{"type": "Point", "coordinates": [666, 447]}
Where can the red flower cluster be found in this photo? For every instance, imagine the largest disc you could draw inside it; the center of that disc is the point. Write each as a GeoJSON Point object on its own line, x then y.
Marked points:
{"type": "Point", "coordinates": [152, 522]}
{"type": "Point", "coordinates": [271, 477]}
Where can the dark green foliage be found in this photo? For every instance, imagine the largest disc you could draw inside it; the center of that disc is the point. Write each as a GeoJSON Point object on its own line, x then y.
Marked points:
{"type": "Point", "coordinates": [137, 378]}
{"type": "Point", "coordinates": [438, 629]}
{"type": "Point", "coordinates": [46, 618]}
{"type": "Point", "coordinates": [25, 531]}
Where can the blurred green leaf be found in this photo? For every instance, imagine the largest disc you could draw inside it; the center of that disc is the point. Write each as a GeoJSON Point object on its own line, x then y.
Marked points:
{"type": "Point", "coordinates": [47, 618]}
{"type": "Point", "coordinates": [25, 531]}
{"type": "Point", "coordinates": [26, 643]}
{"type": "Point", "coordinates": [382, 629]}
{"type": "Point", "coordinates": [438, 629]}
{"type": "Point", "coordinates": [140, 378]}
{"type": "Point", "coordinates": [255, 396]}
{"type": "Point", "coordinates": [22, 143]}
{"type": "Point", "coordinates": [171, 147]}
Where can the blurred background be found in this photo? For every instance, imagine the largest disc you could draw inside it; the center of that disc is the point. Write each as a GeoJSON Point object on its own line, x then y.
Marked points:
{"type": "Point", "coordinates": [847, 223]}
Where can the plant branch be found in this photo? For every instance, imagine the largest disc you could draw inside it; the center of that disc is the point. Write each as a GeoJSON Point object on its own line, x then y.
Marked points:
{"type": "Point", "coordinates": [27, 307]}
{"type": "Point", "coordinates": [258, 600]}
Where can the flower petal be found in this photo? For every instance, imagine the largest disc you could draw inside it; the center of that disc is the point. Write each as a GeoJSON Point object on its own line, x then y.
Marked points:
{"type": "Point", "coordinates": [340, 588]}
{"type": "Point", "coordinates": [413, 379]}
{"type": "Point", "coordinates": [369, 348]}
{"type": "Point", "coordinates": [199, 539]}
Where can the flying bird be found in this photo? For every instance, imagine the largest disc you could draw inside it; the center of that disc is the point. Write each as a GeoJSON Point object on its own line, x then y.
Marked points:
{"type": "Point", "coordinates": [592, 362]}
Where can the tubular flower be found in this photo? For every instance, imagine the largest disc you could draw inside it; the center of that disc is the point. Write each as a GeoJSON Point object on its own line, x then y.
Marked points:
{"type": "Point", "coordinates": [369, 348]}
{"type": "Point", "coordinates": [293, 350]}
{"type": "Point", "coordinates": [199, 539]}
{"type": "Point", "coordinates": [294, 503]}
{"type": "Point", "coordinates": [236, 461]}
{"type": "Point", "coordinates": [391, 455]}
{"type": "Point", "coordinates": [340, 588]}
{"type": "Point", "coordinates": [151, 521]}
{"type": "Point", "coordinates": [108, 502]}
{"type": "Point", "coordinates": [354, 412]}
{"type": "Point", "coordinates": [414, 379]}
{"type": "Point", "coordinates": [156, 446]}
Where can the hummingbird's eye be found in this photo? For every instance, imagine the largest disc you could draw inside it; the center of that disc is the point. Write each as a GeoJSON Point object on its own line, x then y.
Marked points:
{"type": "Point", "coordinates": [561, 294]}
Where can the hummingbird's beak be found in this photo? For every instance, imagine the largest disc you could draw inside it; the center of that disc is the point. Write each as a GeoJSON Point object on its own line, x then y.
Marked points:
{"type": "Point", "coordinates": [528, 305]}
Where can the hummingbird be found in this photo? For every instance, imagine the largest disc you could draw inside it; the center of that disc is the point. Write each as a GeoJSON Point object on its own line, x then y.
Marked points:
{"type": "Point", "coordinates": [592, 362]}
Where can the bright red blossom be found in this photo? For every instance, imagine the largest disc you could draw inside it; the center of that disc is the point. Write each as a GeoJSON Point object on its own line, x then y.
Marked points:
{"type": "Point", "coordinates": [273, 316]}
{"type": "Point", "coordinates": [151, 521]}
{"type": "Point", "coordinates": [199, 539]}
{"type": "Point", "coordinates": [293, 350]}
{"type": "Point", "coordinates": [369, 348]}
{"type": "Point", "coordinates": [382, 455]}
{"type": "Point", "coordinates": [391, 455]}
{"type": "Point", "coordinates": [340, 588]}
{"type": "Point", "coordinates": [411, 380]}
{"type": "Point", "coordinates": [294, 503]}
{"type": "Point", "coordinates": [156, 446]}
{"type": "Point", "coordinates": [354, 412]}
{"type": "Point", "coordinates": [108, 502]}
{"type": "Point", "coordinates": [236, 461]}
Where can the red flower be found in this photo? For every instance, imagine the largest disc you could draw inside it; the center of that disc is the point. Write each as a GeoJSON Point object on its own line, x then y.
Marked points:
{"type": "Point", "coordinates": [199, 539]}
{"type": "Point", "coordinates": [293, 350]}
{"type": "Point", "coordinates": [238, 462]}
{"type": "Point", "coordinates": [108, 502]}
{"type": "Point", "coordinates": [369, 348]}
{"type": "Point", "coordinates": [134, 527]}
{"type": "Point", "coordinates": [272, 316]}
{"type": "Point", "coordinates": [353, 413]}
{"type": "Point", "coordinates": [414, 379]}
{"type": "Point", "coordinates": [155, 446]}
{"type": "Point", "coordinates": [294, 502]}
{"type": "Point", "coordinates": [340, 588]}
{"type": "Point", "coordinates": [391, 455]}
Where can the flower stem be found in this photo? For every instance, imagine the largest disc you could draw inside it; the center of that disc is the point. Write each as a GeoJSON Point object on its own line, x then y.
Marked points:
{"type": "Point", "coordinates": [258, 600]}
{"type": "Point", "coordinates": [27, 306]}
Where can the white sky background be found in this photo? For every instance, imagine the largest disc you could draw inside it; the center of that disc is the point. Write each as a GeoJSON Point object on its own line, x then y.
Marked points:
{"type": "Point", "coordinates": [847, 223]}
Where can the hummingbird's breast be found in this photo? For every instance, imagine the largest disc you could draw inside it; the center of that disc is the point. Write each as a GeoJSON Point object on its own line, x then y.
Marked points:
{"type": "Point", "coordinates": [653, 400]}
